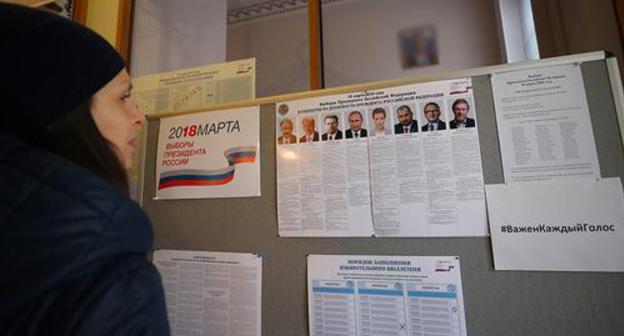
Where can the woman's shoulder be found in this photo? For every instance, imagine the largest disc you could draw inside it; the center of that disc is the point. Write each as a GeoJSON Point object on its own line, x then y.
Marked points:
{"type": "Point", "coordinates": [28, 170]}
{"type": "Point", "coordinates": [43, 191]}
{"type": "Point", "coordinates": [68, 222]}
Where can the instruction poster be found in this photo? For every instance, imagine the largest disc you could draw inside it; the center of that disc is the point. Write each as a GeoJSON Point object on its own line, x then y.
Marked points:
{"type": "Point", "coordinates": [209, 155]}
{"type": "Point", "coordinates": [544, 126]}
{"type": "Point", "coordinates": [385, 295]}
{"type": "Point", "coordinates": [400, 161]}
{"type": "Point", "coordinates": [211, 293]}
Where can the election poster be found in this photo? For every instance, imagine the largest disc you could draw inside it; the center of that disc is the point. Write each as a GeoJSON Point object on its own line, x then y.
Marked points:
{"type": "Point", "coordinates": [398, 161]}
{"type": "Point", "coordinates": [185, 89]}
{"type": "Point", "coordinates": [209, 155]}
{"type": "Point", "coordinates": [385, 295]}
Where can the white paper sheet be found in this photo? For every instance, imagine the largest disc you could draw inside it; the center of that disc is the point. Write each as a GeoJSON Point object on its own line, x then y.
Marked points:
{"type": "Point", "coordinates": [385, 295]}
{"type": "Point", "coordinates": [212, 293]}
{"type": "Point", "coordinates": [196, 88]}
{"type": "Point", "coordinates": [384, 183]}
{"type": "Point", "coordinates": [558, 225]}
{"type": "Point", "coordinates": [209, 155]}
{"type": "Point", "coordinates": [544, 125]}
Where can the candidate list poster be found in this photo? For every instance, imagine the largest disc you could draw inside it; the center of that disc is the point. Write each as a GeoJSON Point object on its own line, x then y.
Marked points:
{"type": "Point", "coordinates": [405, 160]}
{"type": "Point", "coordinates": [323, 182]}
{"type": "Point", "coordinates": [209, 155]}
{"type": "Point", "coordinates": [212, 293]}
{"type": "Point", "coordinates": [385, 295]}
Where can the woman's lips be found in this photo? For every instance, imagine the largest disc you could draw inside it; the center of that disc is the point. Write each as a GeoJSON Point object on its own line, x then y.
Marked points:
{"type": "Point", "coordinates": [133, 143]}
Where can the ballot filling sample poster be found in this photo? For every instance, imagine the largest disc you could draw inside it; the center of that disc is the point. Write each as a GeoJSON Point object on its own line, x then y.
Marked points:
{"type": "Point", "coordinates": [211, 293]}
{"type": "Point", "coordinates": [400, 161]}
{"type": "Point", "coordinates": [209, 155]}
{"type": "Point", "coordinates": [385, 295]}
{"type": "Point", "coordinates": [544, 125]}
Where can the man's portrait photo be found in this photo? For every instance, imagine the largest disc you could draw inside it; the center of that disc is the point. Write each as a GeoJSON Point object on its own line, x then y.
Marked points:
{"type": "Point", "coordinates": [406, 124]}
{"type": "Point", "coordinates": [379, 122]}
{"type": "Point", "coordinates": [330, 122]}
{"type": "Point", "coordinates": [432, 116]}
{"type": "Point", "coordinates": [287, 137]}
{"type": "Point", "coordinates": [460, 109]}
{"type": "Point", "coordinates": [310, 134]}
{"type": "Point", "coordinates": [355, 126]}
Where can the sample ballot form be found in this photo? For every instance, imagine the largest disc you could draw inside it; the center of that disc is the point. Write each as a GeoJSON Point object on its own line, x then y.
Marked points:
{"type": "Point", "coordinates": [385, 295]}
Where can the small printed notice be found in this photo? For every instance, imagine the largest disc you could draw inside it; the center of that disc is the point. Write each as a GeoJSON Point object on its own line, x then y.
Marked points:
{"type": "Point", "coordinates": [385, 295]}
{"type": "Point", "coordinates": [211, 293]}
{"type": "Point", "coordinates": [197, 87]}
{"type": "Point", "coordinates": [398, 161]}
{"type": "Point", "coordinates": [544, 125]}
{"type": "Point", "coordinates": [558, 225]}
{"type": "Point", "coordinates": [209, 155]}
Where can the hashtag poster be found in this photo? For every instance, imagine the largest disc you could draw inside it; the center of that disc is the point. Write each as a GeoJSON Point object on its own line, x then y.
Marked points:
{"type": "Point", "coordinates": [557, 225]}
{"type": "Point", "coordinates": [209, 155]}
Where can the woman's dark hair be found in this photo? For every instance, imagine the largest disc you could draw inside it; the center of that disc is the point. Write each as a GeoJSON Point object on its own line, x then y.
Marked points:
{"type": "Point", "coordinates": [75, 137]}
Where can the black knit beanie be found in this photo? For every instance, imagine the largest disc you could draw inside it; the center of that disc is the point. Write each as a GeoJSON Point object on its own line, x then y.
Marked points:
{"type": "Point", "coordinates": [50, 65]}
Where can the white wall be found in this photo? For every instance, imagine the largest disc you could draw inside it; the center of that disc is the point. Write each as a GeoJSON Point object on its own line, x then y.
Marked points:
{"type": "Point", "coordinates": [512, 30]}
{"type": "Point", "coordinates": [170, 35]}
{"type": "Point", "coordinates": [280, 45]}
{"type": "Point", "coordinates": [528, 30]}
{"type": "Point", "coordinates": [361, 42]}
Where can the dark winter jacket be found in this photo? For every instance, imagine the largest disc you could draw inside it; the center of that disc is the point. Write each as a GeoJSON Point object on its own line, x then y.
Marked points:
{"type": "Point", "coordinates": [72, 252]}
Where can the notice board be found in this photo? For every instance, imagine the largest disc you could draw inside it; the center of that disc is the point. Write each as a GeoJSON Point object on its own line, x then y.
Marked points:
{"type": "Point", "coordinates": [496, 302]}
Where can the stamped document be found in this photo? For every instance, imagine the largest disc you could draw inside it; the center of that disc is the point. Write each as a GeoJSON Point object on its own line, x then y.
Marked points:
{"type": "Point", "coordinates": [196, 87]}
{"type": "Point", "coordinates": [543, 124]}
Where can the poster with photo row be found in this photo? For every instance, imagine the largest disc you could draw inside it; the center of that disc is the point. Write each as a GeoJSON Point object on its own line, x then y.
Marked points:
{"type": "Point", "coordinates": [400, 161]}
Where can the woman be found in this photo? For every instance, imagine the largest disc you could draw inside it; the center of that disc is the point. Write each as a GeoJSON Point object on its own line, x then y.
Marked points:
{"type": "Point", "coordinates": [379, 122]}
{"type": "Point", "coordinates": [72, 244]}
